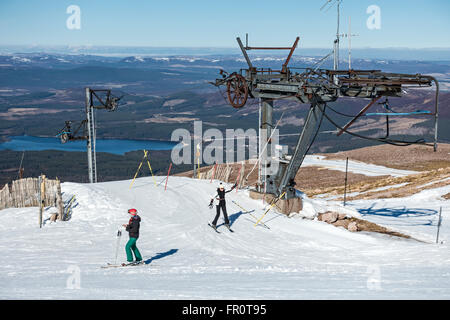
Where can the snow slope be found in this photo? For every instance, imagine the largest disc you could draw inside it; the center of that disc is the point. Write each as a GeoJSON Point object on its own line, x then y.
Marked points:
{"type": "Point", "coordinates": [295, 259]}
{"type": "Point", "coordinates": [367, 169]}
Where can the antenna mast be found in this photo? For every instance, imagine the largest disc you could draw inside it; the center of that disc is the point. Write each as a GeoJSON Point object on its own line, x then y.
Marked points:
{"type": "Point", "coordinates": [349, 35]}
{"type": "Point", "coordinates": [329, 4]}
{"type": "Point", "coordinates": [349, 43]}
{"type": "Point", "coordinates": [336, 62]}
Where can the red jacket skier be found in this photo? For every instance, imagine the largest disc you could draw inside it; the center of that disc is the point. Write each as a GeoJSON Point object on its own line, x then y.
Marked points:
{"type": "Point", "coordinates": [133, 227]}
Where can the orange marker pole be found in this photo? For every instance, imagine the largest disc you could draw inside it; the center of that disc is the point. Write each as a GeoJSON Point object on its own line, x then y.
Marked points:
{"type": "Point", "coordinates": [214, 172]}
{"type": "Point", "coordinates": [168, 172]}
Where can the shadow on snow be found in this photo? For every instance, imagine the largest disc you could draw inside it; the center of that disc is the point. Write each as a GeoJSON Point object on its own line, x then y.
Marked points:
{"type": "Point", "coordinates": [161, 255]}
{"type": "Point", "coordinates": [400, 212]}
{"type": "Point", "coordinates": [232, 218]}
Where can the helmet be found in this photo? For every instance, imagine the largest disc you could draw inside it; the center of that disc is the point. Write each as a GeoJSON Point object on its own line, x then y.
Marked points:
{"type": "Point", "coordinates": [220, 186]}
{"type": "Point", "coordinates": [133, 212]}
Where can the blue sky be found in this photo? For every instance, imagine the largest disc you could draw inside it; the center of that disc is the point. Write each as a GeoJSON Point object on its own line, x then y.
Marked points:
{"type": "Point", "coordinates": [212, 23]}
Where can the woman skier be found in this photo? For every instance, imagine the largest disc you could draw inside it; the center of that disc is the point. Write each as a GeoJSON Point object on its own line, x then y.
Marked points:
{"type": "Point", "coordinates": [220, 203]}
{"type": "Point", "coordinates": [133, 229]}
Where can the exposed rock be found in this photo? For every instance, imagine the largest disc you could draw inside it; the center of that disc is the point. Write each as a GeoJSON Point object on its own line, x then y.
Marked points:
{"type": "Point", "coordinates": [341, 223]}
{"type": "Point", "coordinates": [329, 217]}
{"type": "Point", "coordinates": [352, 226]}
{"type": "Point", "coordinates": [284, 206]}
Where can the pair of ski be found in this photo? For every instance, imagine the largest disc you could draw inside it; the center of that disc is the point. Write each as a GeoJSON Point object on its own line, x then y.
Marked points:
{"type": "Point", "coordinates": [215, 228]}
{"type": "Point", "coordinates": [130, 264]}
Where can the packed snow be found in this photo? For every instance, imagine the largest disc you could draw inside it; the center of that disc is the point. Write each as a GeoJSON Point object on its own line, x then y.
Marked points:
{"type": "Point", "coordinates": [296, 257]}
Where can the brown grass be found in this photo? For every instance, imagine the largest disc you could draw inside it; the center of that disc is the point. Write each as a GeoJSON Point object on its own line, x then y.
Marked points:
{"type": "Point", "coordinates": [316, 180]}
{"type": "Point", "coordinates": [415, 184]}
{"type": "Point", "coordinates": [414, 157]}
{"type": "Point", "coordinates": [364, 225]}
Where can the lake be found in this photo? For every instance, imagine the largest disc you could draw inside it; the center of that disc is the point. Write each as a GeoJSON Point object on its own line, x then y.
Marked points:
{"type": "Point", "coordinates": [115, 146]}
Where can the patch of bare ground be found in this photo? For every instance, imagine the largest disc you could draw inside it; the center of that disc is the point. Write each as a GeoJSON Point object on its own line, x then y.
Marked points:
{"type": "Point", "coordinates": [412, 184]}
{"type": "Point", "coordinates": [414, 157]}
{"type": "Point", "coordinates": [446, 196]}
{"type": "Point", "coordinates": [316, 180]}
{"type": "Point", "coordinates": [355, 224]}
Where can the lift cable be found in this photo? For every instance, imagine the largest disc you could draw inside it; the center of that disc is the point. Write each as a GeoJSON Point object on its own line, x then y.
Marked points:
{"type": "Point", "coordinates": [400, 143]}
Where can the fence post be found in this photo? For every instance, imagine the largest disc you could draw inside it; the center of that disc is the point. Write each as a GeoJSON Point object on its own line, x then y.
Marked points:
{"type": "Point", "coordinates": [41, 197]}
{"type": "Point", "coordinates": [239, 176]}
{"type": "Point", "coordinates": [345, 187]}
{"type": "Point", "coordinates": [59, 202]}
{"type": "Point", "coordinates": [214, 172]}
{"type": "Point", "coordinates": [4, 197]}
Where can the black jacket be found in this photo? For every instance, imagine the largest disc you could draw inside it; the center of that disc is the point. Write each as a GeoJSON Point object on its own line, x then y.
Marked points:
{"type": "Point", "coordinates": [221, 194]}
{"type": "Point", "coordinates": [219, 197]}
{"type": "Point", "coordinates": [133, 226]}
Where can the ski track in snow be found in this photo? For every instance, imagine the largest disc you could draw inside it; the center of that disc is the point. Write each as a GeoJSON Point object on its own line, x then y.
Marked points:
{"type": "Point", "coordinates": [295, 259]}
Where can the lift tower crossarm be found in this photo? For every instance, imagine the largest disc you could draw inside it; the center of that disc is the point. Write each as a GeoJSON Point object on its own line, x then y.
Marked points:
{"type": "Point", "coordinates": [285, 64]}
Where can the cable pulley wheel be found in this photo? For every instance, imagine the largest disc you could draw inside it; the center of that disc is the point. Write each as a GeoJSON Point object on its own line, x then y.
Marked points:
{"type": "Point", "coordinates": [237, 91]}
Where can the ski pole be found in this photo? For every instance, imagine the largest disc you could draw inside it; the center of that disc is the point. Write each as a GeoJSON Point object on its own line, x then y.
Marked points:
{"type": "Point", "coordinates": [119, 235]}
{"type": "Point", "coordinates": [439, 225]}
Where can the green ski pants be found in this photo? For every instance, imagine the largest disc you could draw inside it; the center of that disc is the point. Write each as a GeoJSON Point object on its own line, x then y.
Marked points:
{"type": "Point", "coordinates": [131, 248]}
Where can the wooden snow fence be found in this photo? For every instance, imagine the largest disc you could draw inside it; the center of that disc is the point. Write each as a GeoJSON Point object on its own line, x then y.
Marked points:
{"type": "Point", "coordinates": [226, 172]}
{"type": "Point", "coordinates": [27, 193]}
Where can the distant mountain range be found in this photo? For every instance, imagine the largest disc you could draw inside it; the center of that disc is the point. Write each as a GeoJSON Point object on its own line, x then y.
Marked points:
{"type": "Point", "coordinates": [168, 73]}
{"type": "Point", "coordinates": [118, 51]}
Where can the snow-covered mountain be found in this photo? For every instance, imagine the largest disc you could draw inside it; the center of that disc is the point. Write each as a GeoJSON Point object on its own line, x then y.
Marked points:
{"type": "Point", "coordinates": [297, 258]}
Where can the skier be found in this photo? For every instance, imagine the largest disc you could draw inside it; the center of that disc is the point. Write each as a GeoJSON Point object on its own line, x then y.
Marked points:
{"type": "Point", "coordinates": [133, 229]}
{"type": "Point", "coordinates": [220, 197]}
